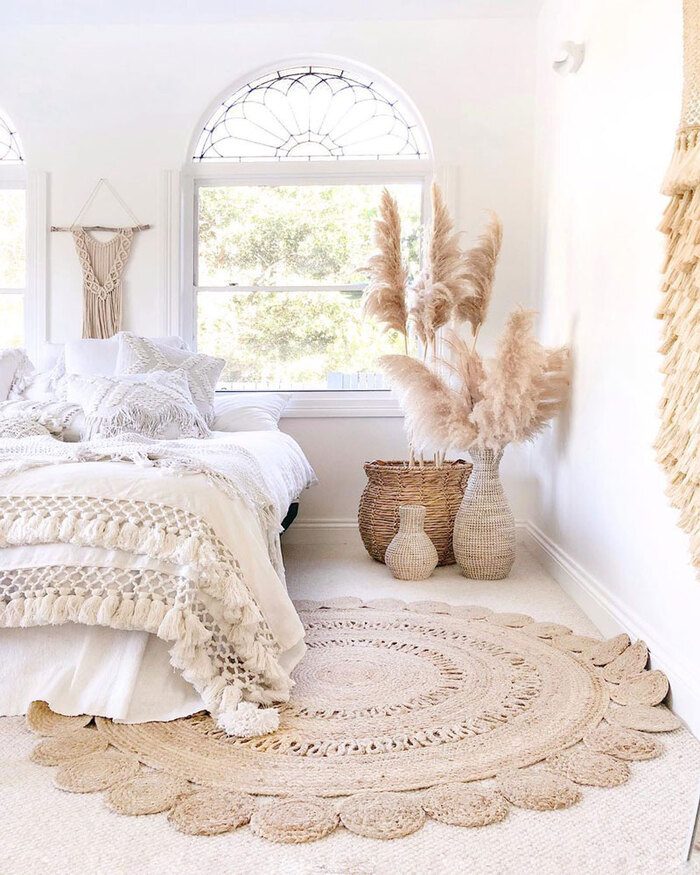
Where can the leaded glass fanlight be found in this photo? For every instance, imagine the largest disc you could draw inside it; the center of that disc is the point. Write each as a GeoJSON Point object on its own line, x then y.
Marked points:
{"type": "Point", "coordinates": [311, 113]}
{"type": "Point", "coordinates": [10, 148]}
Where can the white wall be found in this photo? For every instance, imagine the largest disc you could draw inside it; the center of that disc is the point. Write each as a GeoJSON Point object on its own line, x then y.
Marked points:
{"type": "Point", "coordinates": [122, 102]}
{"type": "Point", "coordinates": [605, 138]}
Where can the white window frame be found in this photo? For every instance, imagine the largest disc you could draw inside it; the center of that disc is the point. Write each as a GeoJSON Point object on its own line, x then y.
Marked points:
{"type": "Point", "coordinates": [16, 176]}
{"type": "Point", "coordinates": [304, 402]}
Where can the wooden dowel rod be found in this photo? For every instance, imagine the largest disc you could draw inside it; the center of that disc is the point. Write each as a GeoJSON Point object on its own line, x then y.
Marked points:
{"type": "Point", "coordinates": [103, 228]}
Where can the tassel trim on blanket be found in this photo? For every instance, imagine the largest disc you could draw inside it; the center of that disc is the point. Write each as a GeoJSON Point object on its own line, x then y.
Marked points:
{"type": "Point", "coordinates": [170, 623]}
{"type": "Point", "coordinates": [161, 533]}
{"type": "Point", "coordinates": [231, 469]}
{"type": "Point", "coordinates": [157, 531]}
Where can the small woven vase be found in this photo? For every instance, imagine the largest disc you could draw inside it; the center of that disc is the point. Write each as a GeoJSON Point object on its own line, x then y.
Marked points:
{"type": "Point", "coordinates": [411, 555]}
{"type": "Point", "coordinates": [484, 533]}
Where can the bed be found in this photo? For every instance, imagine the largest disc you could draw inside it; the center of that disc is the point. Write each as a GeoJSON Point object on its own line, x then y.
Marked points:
{"type": "Point", "coordinates": [141, 579]}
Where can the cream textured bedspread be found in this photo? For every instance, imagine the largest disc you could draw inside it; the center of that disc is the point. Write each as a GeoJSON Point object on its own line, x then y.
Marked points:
{"type": "Point", "coordinates": [177, 539]}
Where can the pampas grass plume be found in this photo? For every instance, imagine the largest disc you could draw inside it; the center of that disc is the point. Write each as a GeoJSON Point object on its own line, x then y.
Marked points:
{"type": "Point", "coordinates": [385, 296]}
{"type": "Point", "coordinates": [479, 271]}
{"type": "Point", "coordinates": [435, 413]}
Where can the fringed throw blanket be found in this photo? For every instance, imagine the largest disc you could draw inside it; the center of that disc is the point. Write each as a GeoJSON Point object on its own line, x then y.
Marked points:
{"type": "Point", "coordinates": [113, 552]}
{"type": "Point", "coordinates": [678, 442]}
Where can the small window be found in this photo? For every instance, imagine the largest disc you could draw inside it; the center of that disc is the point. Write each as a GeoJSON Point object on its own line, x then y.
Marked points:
{"type": "Point", "coordinates": [13, 238]}
{"type": "Point", "coordinates": [276, 266]}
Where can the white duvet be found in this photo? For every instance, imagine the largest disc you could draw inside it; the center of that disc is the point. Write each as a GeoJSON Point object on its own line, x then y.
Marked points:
{"type": "Point", "coordinates": [123, 673]}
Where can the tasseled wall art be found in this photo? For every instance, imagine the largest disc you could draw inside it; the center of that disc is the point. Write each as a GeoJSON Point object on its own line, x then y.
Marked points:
{"type": "Point", "coordinates": [102, 265]}
{"type": "Point", "coordinates": [678, 441]}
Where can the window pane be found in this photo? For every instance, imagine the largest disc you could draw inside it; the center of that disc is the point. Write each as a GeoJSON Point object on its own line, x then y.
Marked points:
{"type": "Point", "coordinates": [11, 320]}
{"type": "Point", "coordinates": [12, 238]}
{"type": "Point", "coordinates": [296, 235]}
{"type": "Point", "coordinates": [292, 340]}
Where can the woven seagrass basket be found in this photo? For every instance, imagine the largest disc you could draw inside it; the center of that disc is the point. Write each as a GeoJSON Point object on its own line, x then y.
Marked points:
{"type": "Point", "coordinates": [392, 484]}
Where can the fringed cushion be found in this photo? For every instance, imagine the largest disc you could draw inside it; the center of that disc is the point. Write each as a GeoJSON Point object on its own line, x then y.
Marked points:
{"type": "Point", "coordinates": [156, 405]}
{"type": "Point", "coordinates": [139, 355]}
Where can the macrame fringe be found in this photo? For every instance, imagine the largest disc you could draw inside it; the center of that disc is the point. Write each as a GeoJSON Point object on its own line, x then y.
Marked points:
{"type": "Point", "coordinates": [684, 170]}
{"type": "Point", "coordinates": [147, 422]}
{"type": "Point", "coordinates": [157, 542]}
{"type": "Point", "coordinates": [32, 453]}
{"type": "Point", "coordinates": [175, 623]}
{"type": "Point", "coordinates": [678, 442]}
{"type": "Point", "coordinates": [102, 317]}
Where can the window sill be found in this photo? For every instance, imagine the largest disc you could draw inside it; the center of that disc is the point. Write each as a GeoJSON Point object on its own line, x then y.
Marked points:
{"type": "Point", "coordinates": [326, 404]}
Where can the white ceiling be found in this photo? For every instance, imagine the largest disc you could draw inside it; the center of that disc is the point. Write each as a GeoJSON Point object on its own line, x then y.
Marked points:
{"type": "Point", "coordinates": [106, 12]}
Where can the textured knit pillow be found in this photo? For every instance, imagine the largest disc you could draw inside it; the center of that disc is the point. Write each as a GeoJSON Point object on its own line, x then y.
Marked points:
{"type": "Point", "coordinates": [139, 355]}
{"type": "Point", "coordinates": [248, 411]}
{"type": "Point", "coordinates": [157, 405]}
{"type": "Point", "coordinates": [21, 426]}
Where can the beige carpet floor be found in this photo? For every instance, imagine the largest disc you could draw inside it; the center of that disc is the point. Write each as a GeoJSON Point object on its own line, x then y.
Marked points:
{"type": "Point", "coordinates": [637, 828]}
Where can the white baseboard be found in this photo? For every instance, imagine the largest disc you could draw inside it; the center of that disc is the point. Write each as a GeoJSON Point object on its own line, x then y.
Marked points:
{"type": "Point", "coordinates": [344, 530]}
{"type": "Point", "coordinates": [612, 616]}
{"type": "Point", "coordinates": [323, 531]}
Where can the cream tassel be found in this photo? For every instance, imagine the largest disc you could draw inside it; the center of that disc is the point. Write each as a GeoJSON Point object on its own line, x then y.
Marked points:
{"type": "Point", "coordinates": [59, 612]}
{"type": "Point", "coordinates": [142, 609]}
{"type": "Point", "coordinates": [124, 615]}
{"type": "Point", "coordinates": [14, 612]}
{"type": "Point", "coordinates": [89, 610]}
{"type": "Point", "coordinates": [249, 720]}
{"type": "Point", "coordinates": [155, 616]}
{"type": "Point", "coordinates": [107, 610]}
{"type": "Point", "coordinates": [172, 626]}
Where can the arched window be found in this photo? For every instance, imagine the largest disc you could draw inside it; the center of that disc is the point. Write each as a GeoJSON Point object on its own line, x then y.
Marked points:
{"type": "Point", "coordinates": [283, 179]}
{"type": "Point", "coordinates": [310, 114]}
{"type": "Point", "coordinates": [10, 146]}
{"type": "Point", "coordinates": [13, 237]}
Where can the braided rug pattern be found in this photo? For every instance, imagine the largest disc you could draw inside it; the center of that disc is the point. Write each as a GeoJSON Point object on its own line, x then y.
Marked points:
{"type": "Point", "coordinates": [400, 712]}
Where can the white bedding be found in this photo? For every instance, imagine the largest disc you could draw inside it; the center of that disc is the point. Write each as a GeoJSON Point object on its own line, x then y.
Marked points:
{"type": "Point", "coordinates": [123, 674]}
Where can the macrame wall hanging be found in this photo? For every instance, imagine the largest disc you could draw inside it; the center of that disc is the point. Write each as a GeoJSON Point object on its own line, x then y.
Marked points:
{"type": "Point", "coordinates": [102, 264]}
{"type": "Point", "coordinates": [678, 441]}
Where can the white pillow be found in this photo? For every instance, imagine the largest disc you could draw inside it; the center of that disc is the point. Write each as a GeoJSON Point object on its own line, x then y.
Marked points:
{"type": "Point", "coordinates": [157, 405]}
{"type": "Point", "coordinates": [139, 355]}
{"type": "Point", "coordinates": [249, 411]}
{"type": "Point", "coordinates": [98, 356]}
{"type": "Point", "coordinates": [50, 354]}
{"type": "Point", "coordinates": [15, 373]}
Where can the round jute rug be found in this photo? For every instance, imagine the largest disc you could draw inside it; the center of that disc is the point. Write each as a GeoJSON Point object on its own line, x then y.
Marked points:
{"type": "Point", "coordinates": [392, 698]}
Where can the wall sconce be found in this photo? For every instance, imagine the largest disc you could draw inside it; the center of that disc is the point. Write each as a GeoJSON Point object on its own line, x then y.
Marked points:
{"type": "Point", "coordinates": [569, 58]}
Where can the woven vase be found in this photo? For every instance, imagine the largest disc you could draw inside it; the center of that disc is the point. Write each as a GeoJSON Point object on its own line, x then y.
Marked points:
{"type": "Point", "coordinates": [484, 533]}
{"type": "Point", "coordinates": [411, 555]}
